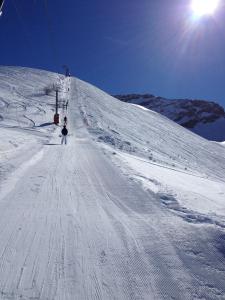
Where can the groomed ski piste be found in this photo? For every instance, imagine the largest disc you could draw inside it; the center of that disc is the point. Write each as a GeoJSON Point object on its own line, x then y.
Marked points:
{"type": "Point", "coordinates": [133, 207]}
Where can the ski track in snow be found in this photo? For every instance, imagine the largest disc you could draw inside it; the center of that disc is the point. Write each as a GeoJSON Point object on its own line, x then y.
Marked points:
{"type": "Point", "coordinates": [74, 226]}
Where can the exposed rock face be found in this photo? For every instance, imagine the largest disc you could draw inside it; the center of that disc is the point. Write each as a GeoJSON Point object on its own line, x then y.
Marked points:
{"type": "Point", "coordinates": [192, 114]}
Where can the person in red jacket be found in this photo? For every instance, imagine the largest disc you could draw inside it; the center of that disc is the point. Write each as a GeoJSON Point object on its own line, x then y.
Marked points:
{"type": "Point", "coordinates": [64, 134]}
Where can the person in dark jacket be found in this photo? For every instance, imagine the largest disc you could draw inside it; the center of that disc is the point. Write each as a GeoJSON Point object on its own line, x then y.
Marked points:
{"type": "Point", "coordinates": [64, 134]}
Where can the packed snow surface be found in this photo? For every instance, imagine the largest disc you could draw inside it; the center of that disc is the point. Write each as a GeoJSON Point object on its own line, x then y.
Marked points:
{"type": "Point", "coordinates": [133, 207]}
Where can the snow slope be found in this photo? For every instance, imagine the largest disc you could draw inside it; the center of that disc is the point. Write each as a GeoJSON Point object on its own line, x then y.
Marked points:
{"type": "Point", "coordinates": [131, 208]}
{"type": "Point", "coordinates": [202, 117]}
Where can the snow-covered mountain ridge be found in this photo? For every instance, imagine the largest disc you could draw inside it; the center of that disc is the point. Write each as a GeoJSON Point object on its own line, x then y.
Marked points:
{"type": "Point", "coordinates": [131, 208]}
{"type": "Point", "coordinates": [202, 117]}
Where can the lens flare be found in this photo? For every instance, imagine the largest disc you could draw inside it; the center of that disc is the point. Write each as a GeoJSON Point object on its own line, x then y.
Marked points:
{"type": "Point", "coordinates": [204, 7]}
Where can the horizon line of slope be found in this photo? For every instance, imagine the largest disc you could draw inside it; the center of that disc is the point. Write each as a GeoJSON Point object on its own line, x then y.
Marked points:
{"type": "Point", "coordinates": [206, 118]}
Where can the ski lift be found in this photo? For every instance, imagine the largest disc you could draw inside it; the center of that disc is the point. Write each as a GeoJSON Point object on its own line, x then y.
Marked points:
{"type": "Point", "coordinates": [1, 6]}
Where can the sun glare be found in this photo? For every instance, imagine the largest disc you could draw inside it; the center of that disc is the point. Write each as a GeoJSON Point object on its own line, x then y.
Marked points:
{"type": "Point", "coordinates": [204, 7]}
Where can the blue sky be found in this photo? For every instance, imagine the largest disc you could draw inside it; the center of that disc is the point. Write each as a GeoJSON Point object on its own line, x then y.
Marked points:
{"type": "Point", "coordinates": [121, 46]}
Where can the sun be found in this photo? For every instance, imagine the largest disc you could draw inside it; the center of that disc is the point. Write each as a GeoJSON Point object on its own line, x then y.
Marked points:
{"type": "Point", "coordinates": [204, 7]}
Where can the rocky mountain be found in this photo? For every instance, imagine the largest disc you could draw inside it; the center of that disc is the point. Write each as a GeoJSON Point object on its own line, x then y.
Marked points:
{"type": "Point", "coordinates": [202, 117]}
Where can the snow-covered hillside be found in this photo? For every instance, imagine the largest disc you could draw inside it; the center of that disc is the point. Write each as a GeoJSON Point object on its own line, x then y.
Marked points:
{"type": "Point", "coordinates": [132, 208]}
{"type": "Point", "coordinates": [202, 117]}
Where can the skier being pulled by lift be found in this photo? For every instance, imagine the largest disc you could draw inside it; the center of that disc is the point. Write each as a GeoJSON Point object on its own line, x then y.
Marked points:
{"type": "Point", "coordinates": [64, 135]}
{"type": "Point", "coordinates": [65, 120]}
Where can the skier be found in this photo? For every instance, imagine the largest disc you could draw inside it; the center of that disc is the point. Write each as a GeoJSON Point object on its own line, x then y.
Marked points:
{"type": "Point", "coordinates": [65, 120]}
{"type": "Point", "coordinates": [64, 134]}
